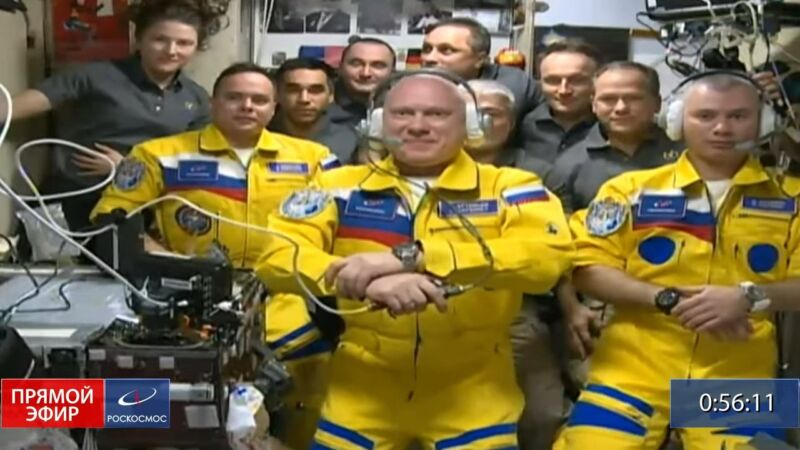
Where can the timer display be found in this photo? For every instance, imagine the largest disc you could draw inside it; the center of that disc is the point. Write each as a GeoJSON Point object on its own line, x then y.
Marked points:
{"type": "Point", "coordinates": [727, 403]}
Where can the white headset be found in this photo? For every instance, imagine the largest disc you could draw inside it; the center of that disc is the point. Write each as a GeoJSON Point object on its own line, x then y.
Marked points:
{"type": "Point", "coordinates": [371, 128]}
{"type": "Point", "coordinates": [670, 117]}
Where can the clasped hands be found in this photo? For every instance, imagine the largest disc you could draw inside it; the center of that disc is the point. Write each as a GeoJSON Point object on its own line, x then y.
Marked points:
{"type": "Point", "coordinates": [720, 310]}
{"type": "Point", "coordinates": [381, 278]}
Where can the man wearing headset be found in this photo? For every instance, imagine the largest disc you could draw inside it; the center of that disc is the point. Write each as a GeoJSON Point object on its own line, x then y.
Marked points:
{"type": "Point", "coordinates": [692, 255]}
{"type": "Point", "coordinates": [398, 235]}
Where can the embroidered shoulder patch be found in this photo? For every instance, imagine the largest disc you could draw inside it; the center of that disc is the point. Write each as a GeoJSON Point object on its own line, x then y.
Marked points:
{"type": "Point", "coordinates": [305, 203]}
{"type": "Point", "coordinates": [605, 217]}
{"type": "Point", "coordinates": [130, 174]}
{"type": "Point", "coordinates": [192, 221]}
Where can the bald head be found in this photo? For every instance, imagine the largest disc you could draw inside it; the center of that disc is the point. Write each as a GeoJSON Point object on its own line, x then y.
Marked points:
{"type": "Point", "coordinates": [416, 85]}
{"type": "Point", "coordinates": [426, 114]}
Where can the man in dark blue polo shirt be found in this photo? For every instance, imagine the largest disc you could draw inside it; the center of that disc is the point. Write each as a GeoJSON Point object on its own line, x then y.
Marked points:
{"type": "Point", "coordinates": [366, 62]}
{"type": "Point", "coordinates": [566, 69]}
{"type": "Point", "coordinates": [462, 46]}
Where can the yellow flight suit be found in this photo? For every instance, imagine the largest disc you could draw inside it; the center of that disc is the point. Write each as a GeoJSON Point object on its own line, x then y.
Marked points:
{"type": "Point", "coordinates": [444, 379]}
{"type": "Point", "coordinates": [202, 167]}
{"type": "Point", "coordinates": [671, 236]}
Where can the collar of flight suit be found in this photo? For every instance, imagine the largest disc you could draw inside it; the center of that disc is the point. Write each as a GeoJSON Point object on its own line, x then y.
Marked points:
{"type": "Point", "coordinates": [212, 140]}
{"type": "Point", "coordinates": [460, 175]}
{"type": "Point", "coordinates": [752, 172]}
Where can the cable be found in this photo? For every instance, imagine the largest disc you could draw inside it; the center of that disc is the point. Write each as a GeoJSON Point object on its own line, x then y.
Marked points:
{"type": "Point", "coordinates": [485, 250]}
{"type": "Point", "coordinates": [12, 249]}
{"type": "Point", "coordinates": [133, 289]}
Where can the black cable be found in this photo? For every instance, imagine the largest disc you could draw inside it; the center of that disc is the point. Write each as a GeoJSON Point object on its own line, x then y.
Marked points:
{"type": "Point", "coordinates": [470, 227]}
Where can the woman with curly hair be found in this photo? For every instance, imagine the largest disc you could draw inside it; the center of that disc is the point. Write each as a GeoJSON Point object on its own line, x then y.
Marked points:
{"type": "Point", "coordinates": [114, 105]}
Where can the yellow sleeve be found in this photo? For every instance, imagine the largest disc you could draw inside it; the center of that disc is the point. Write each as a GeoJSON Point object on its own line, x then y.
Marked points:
{"type": "Point", "coordinates": [138, 180]}
{"type": "Point", "coordinates": [308, 218]}
{"type": "Point", "coordinates": [601, 230]}
{"type": "Point", "coordinates": [533, 251]}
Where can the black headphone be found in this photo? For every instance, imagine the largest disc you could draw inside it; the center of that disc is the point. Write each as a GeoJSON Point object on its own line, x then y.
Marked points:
{"type": "Point", "coordinates": [371, 128]}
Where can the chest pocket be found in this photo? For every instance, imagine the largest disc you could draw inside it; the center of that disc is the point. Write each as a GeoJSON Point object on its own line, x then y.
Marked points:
{"type": "Point", "coordinates": [280, 179]}
{"type": "Point", "coordinates": [670, 240]}
{"type": "Point", "coordinates": [483, 216]}
{"type": "Point", "coordinates": [371, 221]}
{"type": "Point", "coordinates": [759, 230]}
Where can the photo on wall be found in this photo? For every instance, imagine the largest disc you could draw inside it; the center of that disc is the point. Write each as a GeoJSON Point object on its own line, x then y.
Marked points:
{"type": "Point", "coordinates": [496, 20]}
{"type": "Point", "coordinates": [423, 13]}
{"type": "Point", "coordinates": [329, 16]}
{"type": "Point", "coordinates": [287, 17]}
{"type": "Point", "coordinates": [612, 44]}
{"type": "Point", "coordinates": [380, 16]}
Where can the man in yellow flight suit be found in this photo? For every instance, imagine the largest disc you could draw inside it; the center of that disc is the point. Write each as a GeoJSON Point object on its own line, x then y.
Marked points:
{"type": "Point", "coordinates": [693, 255]}
{"type": "Point", "coordinates": [237, 169]}
{"type": "Point", "coordinates": [396, 234]}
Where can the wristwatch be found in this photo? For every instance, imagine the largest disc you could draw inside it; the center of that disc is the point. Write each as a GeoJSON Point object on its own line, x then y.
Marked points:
{"type": "Point", "coordinates": [759, 301]}
{"type": "Point", "coordinates": [666, 299]}
{"type": "Point", "coordinates": [408, 254]}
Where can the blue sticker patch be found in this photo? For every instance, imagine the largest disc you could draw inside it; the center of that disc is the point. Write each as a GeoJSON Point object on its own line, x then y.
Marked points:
{"type": "Point", "coordinates": [192, 221]}
{"type": "Point", "coordinates": [468, 208]}
{"type": "Point", "coordinates": [775, 205]}
{"type": "Point", "coordinates": [288, 167]}
{"type": "Point", "coordinates": [305, 203]}
{"type": "Point", "coordinates": [662, 207]}
{"type": "Point", "coordinates": [657, 249]}
{"type": "Point", "coordinates": [198, 170]}
{"type": "Point", "coordinates": [384, 208]}
{"type": "Point", "coordinates": [129, 174]}
{"type": "Point", "coordinates": [605, 217]}
{"type": "Point", "coordinates": [762, 257]}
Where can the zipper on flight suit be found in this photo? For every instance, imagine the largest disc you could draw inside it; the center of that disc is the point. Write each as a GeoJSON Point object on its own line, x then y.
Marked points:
{"type": "Point", "coordinates": [417, 335]}
{"type": "Point", "coordinates": [247, 205]}
{"type": "Point", "coordinates": [715, 213]}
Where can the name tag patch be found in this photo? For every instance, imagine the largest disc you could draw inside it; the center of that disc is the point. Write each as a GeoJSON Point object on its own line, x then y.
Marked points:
{"type": "Point", "coordinates": [468, 208]}
{"type": "Point", "coordinates": [774, 205]}
{"type": "Point", "coordinates": [662, 207]}
{"type": "Point", "coordinates": [198, 170]}
{"type": "Point", "coordinates": [376, 208]}
{"type": "Point", "coordinates": [288, 167]}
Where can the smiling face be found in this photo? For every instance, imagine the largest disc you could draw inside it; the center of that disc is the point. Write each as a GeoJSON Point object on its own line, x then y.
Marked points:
{"type": "Point", "coordinates": [623, 102]}
{"type": "Point", "coordinates": [167, 46]}
{"type": "Point", "coordinates": [425, 114]}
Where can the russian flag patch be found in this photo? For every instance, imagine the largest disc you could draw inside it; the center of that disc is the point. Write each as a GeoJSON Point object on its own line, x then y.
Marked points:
{"type": "Point", "coordinates": [331, 162]}
{"type": "Point", "coordinates": [525, 194]}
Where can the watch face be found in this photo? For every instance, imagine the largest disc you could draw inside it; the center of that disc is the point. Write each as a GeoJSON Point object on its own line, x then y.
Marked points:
{"type": "Point", "coordinates": [667, 299]}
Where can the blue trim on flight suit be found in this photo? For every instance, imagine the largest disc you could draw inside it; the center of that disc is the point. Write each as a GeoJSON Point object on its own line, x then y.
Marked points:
{"type": "Point", "coordinates": [608, 391]}
{"type": "Point", "coordinates": [291, 336]}
{"type": "Point", "coordinates": [346, 434]}
{"type": "Point", "coordinates": [476, 435]}
{"type": "Point", "coordinates": [588, 414]}
{"type": "Point", "coordinates": [314, 348]}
